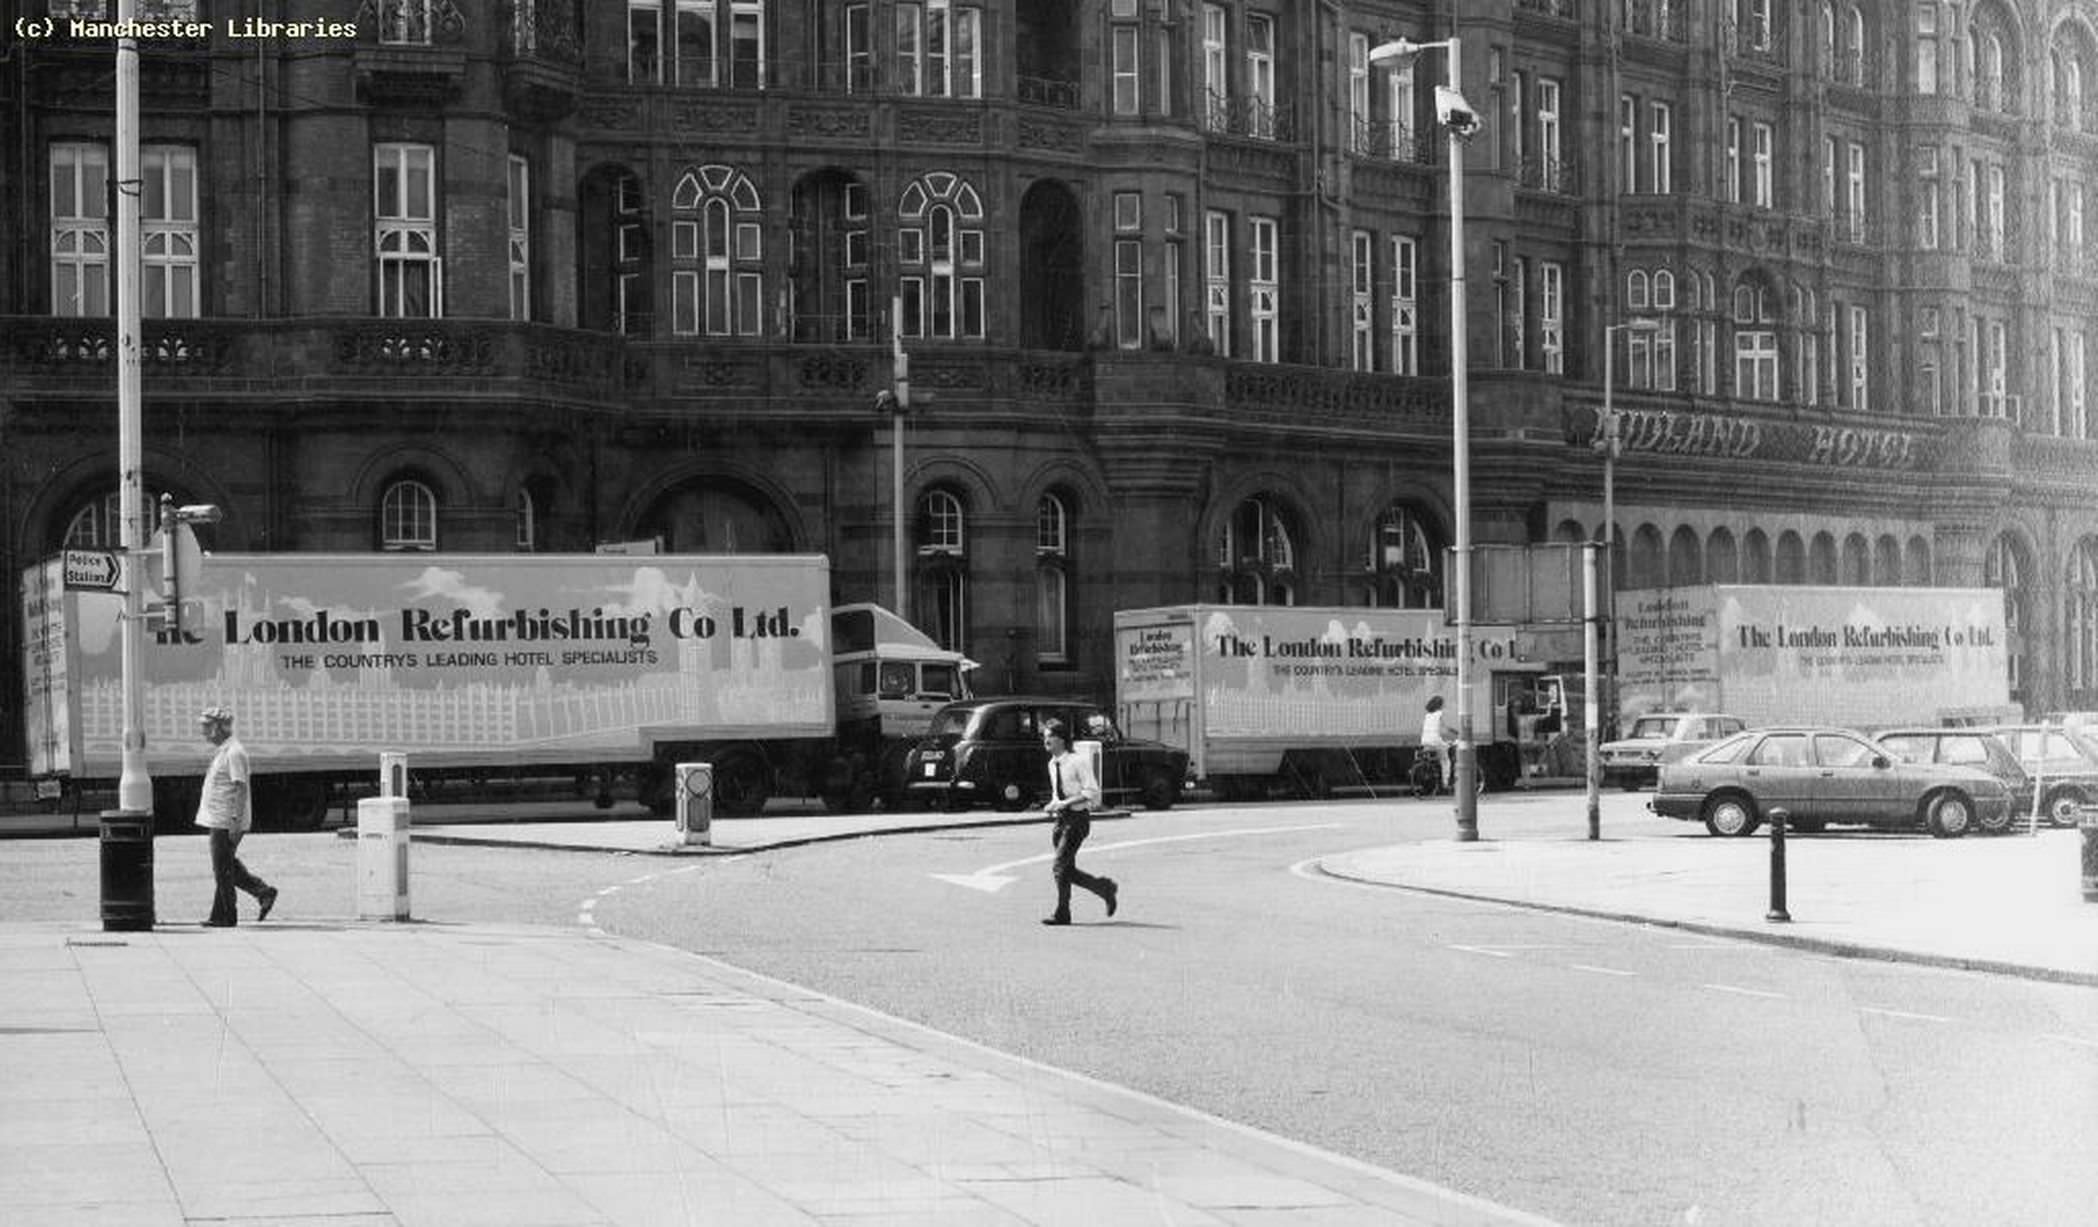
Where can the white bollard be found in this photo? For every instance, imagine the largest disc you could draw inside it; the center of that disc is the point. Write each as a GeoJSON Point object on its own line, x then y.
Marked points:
{"type": "Point", "coordinates": [695, 803]}
{"type": "Point", "coordinates": [382, 858]}
{"type": "Point", "coordinates": [393, 774]}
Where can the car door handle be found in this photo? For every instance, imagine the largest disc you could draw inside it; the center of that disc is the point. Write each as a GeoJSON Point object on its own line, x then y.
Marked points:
{"type": "Point", "coordinates": [1828, 775]}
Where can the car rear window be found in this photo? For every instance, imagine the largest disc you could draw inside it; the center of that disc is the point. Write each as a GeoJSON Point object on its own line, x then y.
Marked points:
{"type": "Point", "coordinates": [1968, 751]}
{"type": "Point", "coordinates": [1916, 749]}
{"type": "Point", "coordinates": [1727, 751]}
{"type": "Point", "coordinates": [1655, 728]}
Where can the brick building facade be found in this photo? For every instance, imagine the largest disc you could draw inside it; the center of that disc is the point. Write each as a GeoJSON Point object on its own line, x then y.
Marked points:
{"type": "Point", "coordinates": [1172, 277]}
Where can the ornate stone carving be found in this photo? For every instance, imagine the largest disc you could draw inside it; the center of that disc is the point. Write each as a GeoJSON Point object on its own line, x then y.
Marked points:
{"type": "Point", "coordinates": [830, 121]}
{"type": "Point", "coordinates": [929, 126]}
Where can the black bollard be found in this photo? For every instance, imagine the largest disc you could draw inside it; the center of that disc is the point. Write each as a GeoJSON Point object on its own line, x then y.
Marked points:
{"type": "Point", "coordinates": [2087, 823]}
{"type": "Point", "coordinates": [1777, 912]}
{"type": "Point", "coordinates": [127, 871]}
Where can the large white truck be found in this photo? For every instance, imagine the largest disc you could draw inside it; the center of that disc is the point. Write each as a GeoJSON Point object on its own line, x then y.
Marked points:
{"type": "Point", "coordinates": [481, 665]}
{"type": "Point", "coordinates": [1307, 700]}
{"type": "Point", "coordinates": [1795, 654]}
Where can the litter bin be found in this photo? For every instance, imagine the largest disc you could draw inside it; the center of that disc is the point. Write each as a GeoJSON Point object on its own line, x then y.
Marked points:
{"type": "Point", "coordinates": [2087, 823]}
{"type": "Point", "coordinates": [127, 872]}
{"type": "Point", "coordinates": [382, 858]}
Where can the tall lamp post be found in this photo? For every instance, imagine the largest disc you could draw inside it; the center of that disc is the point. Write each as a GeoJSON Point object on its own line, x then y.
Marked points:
{"type": "Point", "coordinates": [1461, 123]}
{"type": "Point", "coordinates": [1607, 440]}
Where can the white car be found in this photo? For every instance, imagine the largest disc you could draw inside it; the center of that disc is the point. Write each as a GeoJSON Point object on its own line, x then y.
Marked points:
{"type": "Point", "coordinates": [1634, 761]}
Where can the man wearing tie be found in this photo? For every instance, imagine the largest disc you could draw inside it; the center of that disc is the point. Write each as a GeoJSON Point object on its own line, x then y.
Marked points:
{"type": "Point", "coordinates": [1073, 795]}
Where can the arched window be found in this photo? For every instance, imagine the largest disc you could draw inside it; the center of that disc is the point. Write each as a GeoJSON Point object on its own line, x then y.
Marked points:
{"type": "Point", "coordinates": [1822, 560]}
{"type": "Point", "coordinates": [1755, 558]}
{"type": "Point", "coordinates": [717, 254]}
{"type": "Point", "coordinates": [1722, 561]}
{"type": "Point", "coordinates": [2003, 568]}
{"type": "Point", "coordinates": [940, 253]}
{"type": "Point", "coordinates": [1052, 572]}
{"type": "Point", "coordinates": [1257, 556]}
{"type": "Point", "coordinates": [1915, 563]}
{"type": "Point", "coordinates": [2081, 633]}
{"type": "Point", "coordinates": [1886, 561]}
{"type": "Point", "coordinates": [527, 522]}
{"type": "Point", "coordinates": [99, 523]}
{"type": "Point", "coordinates": [408, 516]}
{"type": "Point", "coordinates": [1856, 560]}
{"type": "Point", "coordinates": [1404, 566]}
{"type": "Point", "coordinates": [1686, 563]}
{"type": "Point", "coordinates": [1648, 565]}
{"type": "Point", "coordinates": [941, 606]}
{"type": "Point", "coordinates": [1854, 53]}
{"type": "Point", "coordinates": [1790, 564]}
{"type": "Point", "coordinates": [1755, 342]}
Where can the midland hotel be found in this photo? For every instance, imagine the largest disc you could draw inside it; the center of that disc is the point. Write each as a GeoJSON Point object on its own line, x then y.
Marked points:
{"type": "Point", "coordinates": [1172, 279]}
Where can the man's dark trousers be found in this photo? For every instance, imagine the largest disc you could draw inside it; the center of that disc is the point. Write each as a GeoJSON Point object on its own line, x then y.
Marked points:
{"type": "Point", "coordinates": [1071, 830]}
{"type": "Point", "coordinates": [229, 873]}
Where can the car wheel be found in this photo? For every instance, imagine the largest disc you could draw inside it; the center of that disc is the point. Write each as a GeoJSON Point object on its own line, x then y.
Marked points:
{"type": "Point", "coordinates": [2000, 823]}
{"type": "Point", "coordinates": [1950, 815]}
{"type": "Point", "coordinates": [1160, 790]}
{"type": "Point", "coordinates": [2062, 807]}
{"type": "Point", "coordinates": [1731, 815]}
{"type": "Point", "coordinates": [1011, 799]}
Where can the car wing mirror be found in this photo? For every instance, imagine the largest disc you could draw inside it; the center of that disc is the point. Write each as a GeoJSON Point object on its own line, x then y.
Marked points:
{"type": "Point", "coordinates": [1881, 761]}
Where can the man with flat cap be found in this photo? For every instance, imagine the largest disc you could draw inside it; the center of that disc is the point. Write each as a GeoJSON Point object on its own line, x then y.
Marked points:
{"type": "Point", "coordinates": [226, 809]}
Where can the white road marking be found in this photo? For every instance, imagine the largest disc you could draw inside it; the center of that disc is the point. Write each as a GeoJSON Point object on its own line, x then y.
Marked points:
{"type": "Point", "coordinates": [1602, 971]}
{"type": "Point", "coordinates": [992, 878]}
{"type": "Point", "coordinates": [1745, 992]}
{"type": "Point", "coordinates": [2078, 1040]}
{"type": "Point", "coordinates": [1487, 950]}
{"type": "Point", "coordinates": [1887, 1013]}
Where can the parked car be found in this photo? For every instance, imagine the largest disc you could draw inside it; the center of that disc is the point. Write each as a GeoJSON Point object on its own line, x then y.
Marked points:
{"type": "Point", "coordinates": [2063, 761]}
{"type": "Point", "coordinates": [1634, 760]}
{"type": "Point", "coordinates": [989, 751]}
{"type": "Point", "coordinates": [1824, 777]}
{"type": "Point", "coordinates": [1967, 747]}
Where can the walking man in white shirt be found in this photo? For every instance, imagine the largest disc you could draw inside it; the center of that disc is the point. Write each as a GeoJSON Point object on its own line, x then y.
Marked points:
{"type": "Point", "coordinates": [226, 810]}
{"type": "Point", "coordinates": [1074, 793]}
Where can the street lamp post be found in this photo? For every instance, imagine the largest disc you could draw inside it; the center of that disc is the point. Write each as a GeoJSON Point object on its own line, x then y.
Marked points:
{"type": "Point", "coordinates": [1607, 440]}
{"type": "Point", "coordinates": [1460, 122]}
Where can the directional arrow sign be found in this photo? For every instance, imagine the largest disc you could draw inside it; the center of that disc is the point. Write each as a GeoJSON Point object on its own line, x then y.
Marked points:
{"type": "Point", "coordinates": [98, 570]}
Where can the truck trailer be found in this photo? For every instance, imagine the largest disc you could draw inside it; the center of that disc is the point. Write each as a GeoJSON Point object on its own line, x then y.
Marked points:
{"type": "Point", "coordinates": [1865, 658]}
{"type": "Point", "coordinates": [485, 665]}
{"type": "Point", "coordinates": [1307, 700]}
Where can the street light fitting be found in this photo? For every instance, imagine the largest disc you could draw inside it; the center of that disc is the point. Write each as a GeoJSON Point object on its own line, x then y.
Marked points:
{"type": "Point", "coordinates": [199, 513]}
{"type": "Point", "coordinates": [1400, 52]}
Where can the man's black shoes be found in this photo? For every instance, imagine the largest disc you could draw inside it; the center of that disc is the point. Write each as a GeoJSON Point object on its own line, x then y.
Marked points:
{"type": "Point", "coordinates": [268, 900]}
{"type": "Point", "coordinates": [1056, 920]}
{"type": "Point", "coordinates": [218, 924]}
{"type": "Point", "coordinates": [1110, 892]}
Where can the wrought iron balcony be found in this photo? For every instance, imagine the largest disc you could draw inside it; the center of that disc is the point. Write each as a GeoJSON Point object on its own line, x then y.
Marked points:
{"type": "Point", "coordinates": [1250, 117]}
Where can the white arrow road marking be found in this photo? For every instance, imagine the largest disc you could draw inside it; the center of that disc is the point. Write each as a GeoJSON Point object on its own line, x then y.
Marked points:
{"type": "Point", "coordinates": [993, 878]}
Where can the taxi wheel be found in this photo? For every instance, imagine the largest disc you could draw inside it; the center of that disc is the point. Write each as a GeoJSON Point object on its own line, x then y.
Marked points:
{"type": "Point", "coordinates": [1160, 790]}
{"type": "Point", "coordinates": [1731, 815]}
{"type": "Point", "coordinates": [1950, 815]}
{"type": "Point", "coordinates": [2062, 807]}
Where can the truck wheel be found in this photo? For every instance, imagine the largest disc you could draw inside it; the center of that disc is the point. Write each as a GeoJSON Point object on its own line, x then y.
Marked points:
{"type": "Point", "coordinates": [2062, 805]}
{"type": "Point", "coordinates": [740, 787]}
{"type": "Point", "coordinates": [1160, 790]}
{"type": "Point", "coordinates": [1949, 815]}
{"type": "Point", "coordinates": [1011, 799]}
{"type": "Point", "coordinates": [1731, 815]}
